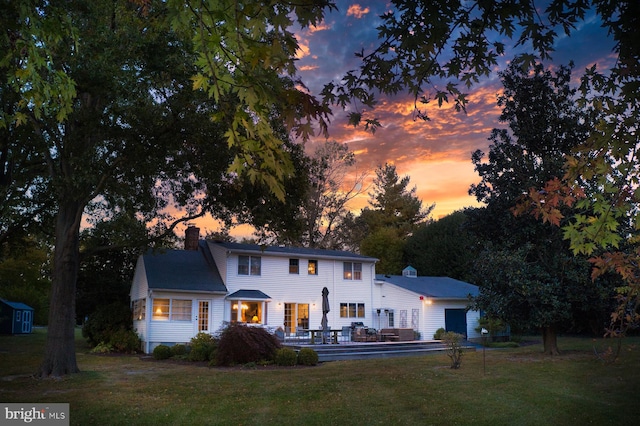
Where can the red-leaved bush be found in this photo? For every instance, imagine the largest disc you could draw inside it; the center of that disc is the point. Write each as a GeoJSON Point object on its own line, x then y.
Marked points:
{"type": "Point", "coordinates": [241, 344]}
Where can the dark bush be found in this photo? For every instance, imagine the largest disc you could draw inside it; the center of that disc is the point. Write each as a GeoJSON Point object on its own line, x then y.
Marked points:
{"type": "Point", "coordinates": [241, 344]}
{"type": "Point", "coordinates": [105, 321]}
{"type": "Point", "coordinates": [307, 356]}
{"type": "Point", "coordinates": [162, 352]}
{"type": "Point", "coordinates": [178, 350]}
{"type": "Point", "coordinates": [285, 357]}
{"type": "Point", "coordinates": [125, 341]}
{"type": "Point", "coordinates": [203, 346]}
{"type": "Point", "coordinates": [439, 333]}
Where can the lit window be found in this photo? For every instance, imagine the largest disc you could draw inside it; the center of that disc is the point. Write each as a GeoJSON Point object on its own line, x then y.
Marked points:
{"type": "Point", "coordinates": [352, 271]}
{"type": "Point", "coordinates": [170, 309]}
{"type": "Point", "coordinates": [352, 310]}
{"type": "Point", "coordinates": [294, 266]}
{"type": "Point", "coordinates": [313, 267]}
{"type": "Point", "coordinates": [244, 311]}
{"type": "Point", "coordinates": [139, 309]}
{"type": "Point", "coordinates": [161, 309]}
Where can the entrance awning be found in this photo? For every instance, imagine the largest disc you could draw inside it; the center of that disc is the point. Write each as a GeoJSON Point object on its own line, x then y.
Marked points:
{"type": "Point", "coordinates": [248, 295]}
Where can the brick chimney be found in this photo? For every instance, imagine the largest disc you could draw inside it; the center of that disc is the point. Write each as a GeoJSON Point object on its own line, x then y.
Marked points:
{"type": "Point", "coordinates": [191, 238]}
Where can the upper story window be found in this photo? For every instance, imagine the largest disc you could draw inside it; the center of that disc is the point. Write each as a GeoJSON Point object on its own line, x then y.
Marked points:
{"type": "Point", "coordinates": [312, 268]}
{"type": "Point", "coordinates": [248, 265]}
{"type": "Point", "coordinates": [352, 271]}
{"type": "Point", "coordinates": [294, 266]}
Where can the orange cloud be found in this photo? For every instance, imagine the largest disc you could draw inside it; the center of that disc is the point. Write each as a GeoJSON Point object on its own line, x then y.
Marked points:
{"type": "Point", "coordinates": [323, 26]}
{"type": "Point", "coordinates": [303, 49]}
{"type": "Point", "coordinates": [308, 67]}
{"type": "Point", "coordinates": [357, 11]}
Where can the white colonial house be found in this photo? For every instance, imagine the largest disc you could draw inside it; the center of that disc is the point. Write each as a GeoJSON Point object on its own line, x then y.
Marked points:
{"type": "Point", "coordinates": [178, 293]}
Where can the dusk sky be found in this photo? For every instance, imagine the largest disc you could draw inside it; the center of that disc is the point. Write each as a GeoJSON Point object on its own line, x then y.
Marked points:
{"type": "Point", "coordinates": [435, 154]}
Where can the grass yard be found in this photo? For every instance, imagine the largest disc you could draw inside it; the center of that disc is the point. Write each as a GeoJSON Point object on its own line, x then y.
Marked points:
{"type": "Point", "coordinates": [520, 387]}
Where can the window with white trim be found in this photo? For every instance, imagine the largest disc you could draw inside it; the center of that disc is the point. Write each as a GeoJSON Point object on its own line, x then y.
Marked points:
{"type": "Point", "coordinates": [171, 310]}
{"type": "Point", "coordinates": [352, 271]}
{"type": "Point", "coordinates": [294, 266]}
{"type": "Point", "coordinates": [139, 309]}
{"type": "Point", "coordinates": [181, 310]}
{"type": "Point", "coordinates": [249, 265]}
{"type": "Point", "coordinates": [352, 310]}
{"type": "Point", "coordinates": [312, 267]}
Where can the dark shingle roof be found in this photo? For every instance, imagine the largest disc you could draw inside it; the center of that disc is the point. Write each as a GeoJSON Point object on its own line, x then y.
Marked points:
{"type": "Point", "coordinates": [183, 270]}
{"type": "Point", "coordinates": [248, 294]}
{"type": "Point", "coordinates": [292, 251]}
{"type": "Point", "coordinates": [435, 287]}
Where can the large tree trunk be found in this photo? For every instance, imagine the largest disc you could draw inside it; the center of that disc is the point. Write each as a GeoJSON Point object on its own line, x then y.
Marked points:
{"type": "Point", "coordinates": [60, 351]}
{"type": "Point", "coordinates": [550, 341]}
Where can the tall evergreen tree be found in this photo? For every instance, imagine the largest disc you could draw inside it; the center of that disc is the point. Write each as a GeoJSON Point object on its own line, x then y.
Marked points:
{"type": "Point", "coordinates": [394, 213]}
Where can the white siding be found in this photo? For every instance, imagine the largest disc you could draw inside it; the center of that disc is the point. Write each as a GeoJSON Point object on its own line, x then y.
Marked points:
{"type": "Point", "coordinates": [397, 299]}
{"type": "Point", "coordinates": [431, 317]}
{"type": "Point", "coordinates": [154, 332]}
{"type": "Point", "coordinates": [283, 287]}
{"type": "Point", "coordinates": [435, 317]}
{"type": "Point", "coordinates": [472, 323]}
{"type": "Point", "coordinates": [140, 286]}
{"type": "Point", "coordinates": [219, 255]}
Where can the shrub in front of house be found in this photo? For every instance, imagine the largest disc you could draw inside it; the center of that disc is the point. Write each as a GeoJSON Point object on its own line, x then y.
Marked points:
{"type": "Point", "coordinates": [307, 356]}
{"type": "Point", "coordinates": [161, 352]}
{"type": "Point", "coordinates": [125, 341]}
{"type": "Point", "coordinates": [202, 347]}
{"type": "Point", "coordinates": [105, 321]}
{"type": "Point", "coordinates": [286, 357]}
{"type": "Point", "coordinates": [241, 344]}
{"type": "Point", "coordinates": [178, 350]}
{"type": "Point", "coordinates": [438, 334]}
{"type": "Point", "coordinates": [102, 348]}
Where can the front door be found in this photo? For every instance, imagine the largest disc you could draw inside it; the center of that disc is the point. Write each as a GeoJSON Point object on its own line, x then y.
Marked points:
{"type": "Point", "coordinates": [203, 316]}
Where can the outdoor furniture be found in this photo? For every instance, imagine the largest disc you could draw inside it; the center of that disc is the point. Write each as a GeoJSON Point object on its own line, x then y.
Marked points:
{"type": "Point", "coordinates": [317, 334]}
{"type": "Point", "coordinates": [363, 334]}
{"type": "Point", "coordinates": [346, 334]}
{"type": "Point", "coordinates": [396, 334]}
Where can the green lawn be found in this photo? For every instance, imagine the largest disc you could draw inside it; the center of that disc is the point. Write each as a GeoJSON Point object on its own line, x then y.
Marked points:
{"type": "Point", "coordinates": [520, 387]}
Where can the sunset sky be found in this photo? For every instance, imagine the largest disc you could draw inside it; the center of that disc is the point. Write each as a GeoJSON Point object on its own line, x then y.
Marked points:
{"type": "Point", "coordinates": [435, 154]}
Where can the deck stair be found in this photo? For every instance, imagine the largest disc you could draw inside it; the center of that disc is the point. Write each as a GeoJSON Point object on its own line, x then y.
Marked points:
{"type": "Point", "coordinates": [354, 351]}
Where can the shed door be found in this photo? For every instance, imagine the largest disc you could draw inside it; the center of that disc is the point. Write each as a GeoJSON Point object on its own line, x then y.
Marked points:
{"type": "Point", "coordinates": [456, 320]}
{"type": "Point", "coordinates": [26, 321]}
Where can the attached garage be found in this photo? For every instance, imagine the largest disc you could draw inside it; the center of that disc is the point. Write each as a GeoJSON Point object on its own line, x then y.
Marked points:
{"type": "Point", "coordinates": [456, 320]}
{"type": "Point", "coordinates": [424, 304]}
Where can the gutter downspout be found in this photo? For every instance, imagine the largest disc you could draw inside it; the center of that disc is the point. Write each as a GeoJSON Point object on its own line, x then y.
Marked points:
{"type": "Point", "coordinates": [147, 320]}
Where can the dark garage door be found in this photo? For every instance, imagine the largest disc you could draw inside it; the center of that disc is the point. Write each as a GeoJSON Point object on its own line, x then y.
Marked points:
{"type": "Point", "coordinates": [456, 320]}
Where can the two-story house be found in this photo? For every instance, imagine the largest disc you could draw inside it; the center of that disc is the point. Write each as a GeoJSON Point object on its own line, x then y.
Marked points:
{"type": "Point", "coordinates": [177, 293]}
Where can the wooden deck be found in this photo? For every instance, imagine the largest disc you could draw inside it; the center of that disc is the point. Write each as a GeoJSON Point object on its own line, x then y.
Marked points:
{"type": "Point", "coordinates": [357, 350]}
